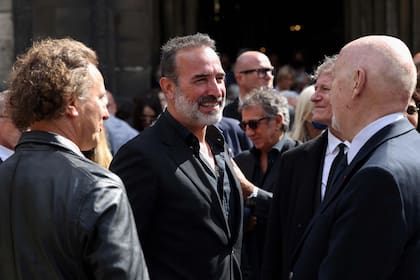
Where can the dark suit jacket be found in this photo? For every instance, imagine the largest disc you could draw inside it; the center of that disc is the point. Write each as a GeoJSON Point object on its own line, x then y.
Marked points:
{"type": "Point", "coordinates": [235, 137]}
{"type": "Point", "coordinates": [369, 226]}
{"type": "Point", "coordinates": [231, 110]}
{"type": "Point", "coordinates": [296, 196]}
{"type": "Point", "coordinates": [246, 162]}
{"type": "Point", "coordinates": [178, 213]}
{"type": "Point", "coordinates": [254, 240]}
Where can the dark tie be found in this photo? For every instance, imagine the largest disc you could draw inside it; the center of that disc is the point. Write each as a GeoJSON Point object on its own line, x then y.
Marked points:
{"type": "Point", "coordinates": [338, 165]}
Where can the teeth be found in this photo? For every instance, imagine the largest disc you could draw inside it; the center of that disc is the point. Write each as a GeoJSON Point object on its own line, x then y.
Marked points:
{"type": "Point", "coordinates": [210, 104]}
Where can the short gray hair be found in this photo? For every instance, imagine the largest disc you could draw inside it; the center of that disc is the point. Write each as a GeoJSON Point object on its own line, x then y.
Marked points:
{"type": "Point", "coordinates": [168, 67]}
{"type": "Point", "coordinates": [272, 102]}
{"type": "Point", "coordinates": [326, 66]}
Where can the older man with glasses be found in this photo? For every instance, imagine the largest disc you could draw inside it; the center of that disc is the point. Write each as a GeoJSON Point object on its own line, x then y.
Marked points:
{"type": "Point", "coordinates": [265, 120]}
{"type": "Point", "coordinates": [252, 69]}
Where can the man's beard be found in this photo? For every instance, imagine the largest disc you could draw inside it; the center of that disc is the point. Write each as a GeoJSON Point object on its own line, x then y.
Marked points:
{"type": "Point", "coordinates": [191, 110]}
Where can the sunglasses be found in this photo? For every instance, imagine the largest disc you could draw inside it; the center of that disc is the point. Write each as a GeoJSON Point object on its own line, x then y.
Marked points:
{"type": "Point", "coordinates": [261, 72]}
{"type": "Point", "coordinates": [253, 124]}
{"type": "Point", "coordinates": [411, 110]}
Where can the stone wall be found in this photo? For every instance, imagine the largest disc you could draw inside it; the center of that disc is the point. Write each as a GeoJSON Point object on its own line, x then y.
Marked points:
{"type": "Point", "coordinates": [6, 41]}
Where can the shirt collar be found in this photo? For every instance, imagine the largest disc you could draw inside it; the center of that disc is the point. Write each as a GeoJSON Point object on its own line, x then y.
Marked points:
{"type": "Point", "coordinates": [333, 143]}
{"type": "Point", "coordinates": [368, 131]}
{"type": "Point", "coordinates": [213, 135]}
{"type": "Point", "coordinates": [5, 153]}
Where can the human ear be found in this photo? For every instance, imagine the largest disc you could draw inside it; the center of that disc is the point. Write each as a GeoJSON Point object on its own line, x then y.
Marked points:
{"type": "Point", "coordinates": [72, 109]}
{"type": "Point", "coordinates": [168, 87]}
{"type": "Point", "coordinates": [359, 81]}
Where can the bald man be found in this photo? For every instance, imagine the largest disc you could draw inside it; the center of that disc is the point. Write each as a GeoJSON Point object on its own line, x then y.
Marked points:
{"type": "Point", "coordinates": [369, 225]}
{"type": "Point", "coordinates": [252, 69]}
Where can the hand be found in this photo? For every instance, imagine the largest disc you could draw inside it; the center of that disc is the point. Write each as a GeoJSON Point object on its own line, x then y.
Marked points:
{"type": "Point", "coordinates": [246, 185]}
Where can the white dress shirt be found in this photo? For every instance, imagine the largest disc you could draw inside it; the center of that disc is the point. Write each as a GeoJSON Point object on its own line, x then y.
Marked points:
{"type": "Point", "coordinates": [368, 131]}
{"type": "Point", "coordinates": [5, 153]}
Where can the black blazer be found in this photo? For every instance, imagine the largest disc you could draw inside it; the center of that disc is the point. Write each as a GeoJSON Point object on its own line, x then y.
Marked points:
{"type": "Point", "coordinates": [246, 162]}
{"type": "Point", "coordinates": [369, 227]}
{"type": "Point", "coordinates": [178, 213]}
{"type": "Point", "coordinates": [295, 198]}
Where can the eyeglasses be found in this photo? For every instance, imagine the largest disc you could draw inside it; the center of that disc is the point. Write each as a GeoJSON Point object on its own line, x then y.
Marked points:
{"type": "Point", "coordinates": [253, 124]}
{"type": "Point", "coordinates": [261, 72]}
{"type": "Point", "coordinates": [411, 110]}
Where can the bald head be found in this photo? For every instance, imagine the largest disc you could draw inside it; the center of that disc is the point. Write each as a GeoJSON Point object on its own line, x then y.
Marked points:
{"type": "Point", "coordinates": [248, 80]}
{"type": "Point", "coordinates": [387, 60]}
{"type": "Point", "coordinates": [373, 76]}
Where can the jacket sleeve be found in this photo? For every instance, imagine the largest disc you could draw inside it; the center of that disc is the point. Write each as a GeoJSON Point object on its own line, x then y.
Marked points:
{"type": "Point", "coordinates": [141, 183]}
{"type": "Point", "coordinates": [271, 267]}
{"type": "Point", "coordinates": [111, 246]}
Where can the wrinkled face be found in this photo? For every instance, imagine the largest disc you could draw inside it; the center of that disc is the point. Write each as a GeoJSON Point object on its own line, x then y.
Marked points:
{"type": "Point", "coordinates": [322, 111]}
{"type": "Point", "coordinates": [92, 111]}
{"type": "Point", "coordinates": [267, 131]}
{"type": "Point", "coordinates": [248, 79]}
{"type": "Point", "coordinates": [200, 94]}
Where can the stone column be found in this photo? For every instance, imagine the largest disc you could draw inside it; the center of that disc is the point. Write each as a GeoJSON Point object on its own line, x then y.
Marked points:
{"type": "Point", "coordinates": [6, 41]}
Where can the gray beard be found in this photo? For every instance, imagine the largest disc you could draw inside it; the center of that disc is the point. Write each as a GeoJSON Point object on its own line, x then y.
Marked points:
{"type": "Point", "coordinates": [191, 110]}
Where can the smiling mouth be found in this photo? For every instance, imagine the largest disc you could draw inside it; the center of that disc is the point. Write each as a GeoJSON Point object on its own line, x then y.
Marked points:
{"type": "Point", "coordinates": [209, 102]}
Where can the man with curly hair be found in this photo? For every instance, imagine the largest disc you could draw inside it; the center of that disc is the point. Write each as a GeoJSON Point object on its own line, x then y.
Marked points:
{"type": "Point", "coordinates": [62, 216]}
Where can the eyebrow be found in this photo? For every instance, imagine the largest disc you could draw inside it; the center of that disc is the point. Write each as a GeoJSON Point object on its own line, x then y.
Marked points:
{"type": "Point", "coordinates": [199, 76]}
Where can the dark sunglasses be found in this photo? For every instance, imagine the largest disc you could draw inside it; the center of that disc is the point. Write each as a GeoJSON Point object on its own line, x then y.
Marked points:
{"type": "Point", "coordinates": [253, 124]}
{"type": "Point", "coordinates": [411, 110]}
{"type": "Point", "coordinates": [261, 72]}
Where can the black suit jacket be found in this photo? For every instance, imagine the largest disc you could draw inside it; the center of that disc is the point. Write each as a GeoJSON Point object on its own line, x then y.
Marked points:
{"type": "Point", "coordinates": [369, 227]}
{"type": "Point", "coordinates": [178, 213]}
{"type": "Point", "coordinates": [296, 196]}
{"type": "Point", "coordinates": [246, 162]}
{"type": "Point", "coordinates": [254, 240]}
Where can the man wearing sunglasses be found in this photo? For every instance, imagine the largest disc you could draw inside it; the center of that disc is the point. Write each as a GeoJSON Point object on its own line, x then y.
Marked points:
{"type": "Point", "coordinates": [265, 120]}
{"type": "Point", "coordinates": [252, 69]}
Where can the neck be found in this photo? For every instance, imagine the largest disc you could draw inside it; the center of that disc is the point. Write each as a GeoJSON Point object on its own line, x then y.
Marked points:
{"type": "Point", "coordinates": [59, 126]}
{"type": "Point", "coordinates": [336, 133]}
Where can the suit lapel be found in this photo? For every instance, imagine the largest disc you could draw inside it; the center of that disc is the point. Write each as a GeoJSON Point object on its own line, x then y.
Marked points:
{"type": "Point", "coordinates": [238, 203]}
{"type": "Point", "coordinates": [191, 167]}
{"type": "Point", "coordinates": [390, 131]}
